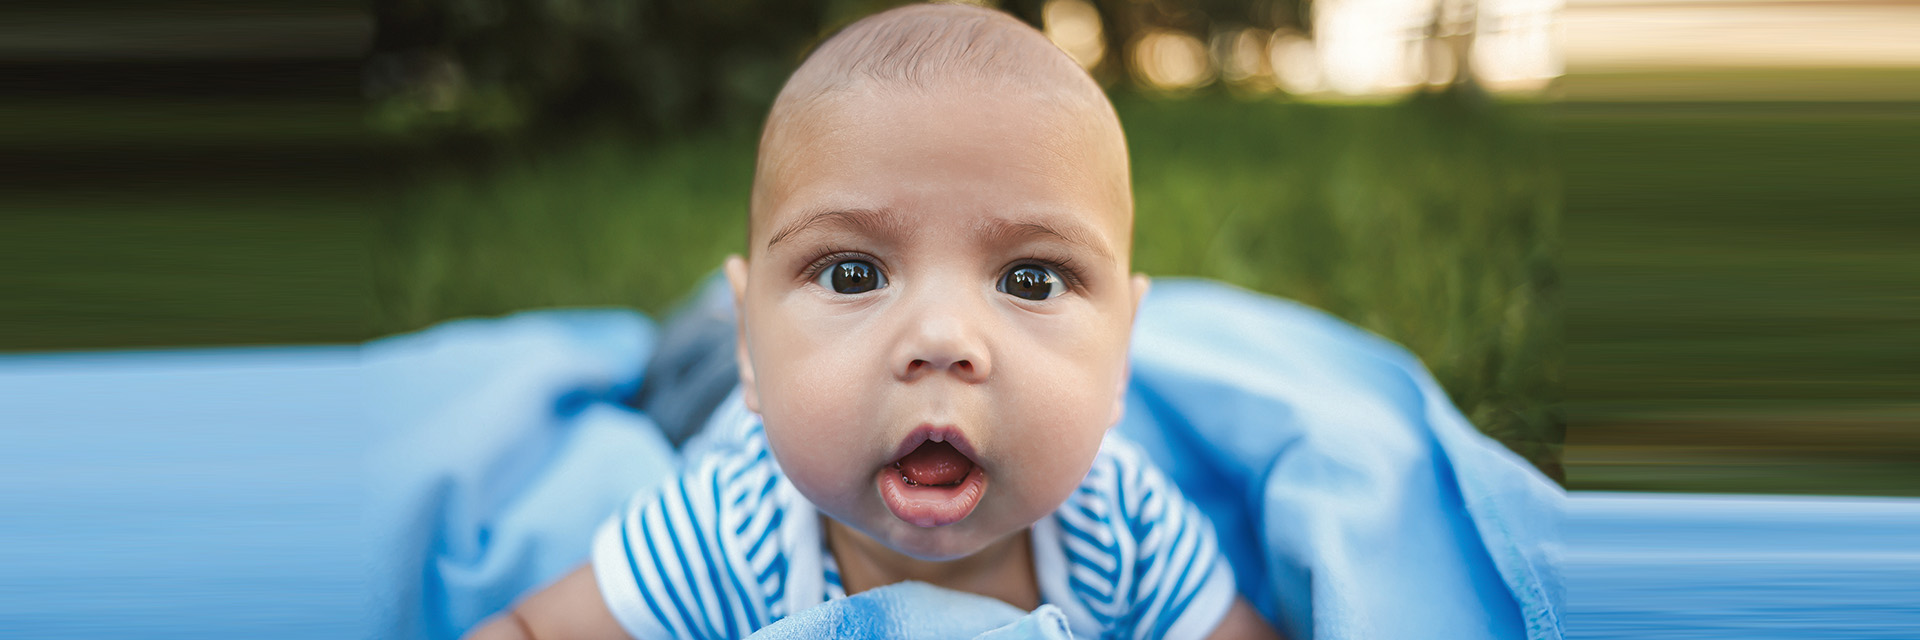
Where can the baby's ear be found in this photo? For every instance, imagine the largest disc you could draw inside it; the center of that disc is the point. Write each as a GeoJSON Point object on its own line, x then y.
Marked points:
{"type": "Point", "coordinates": [1141, 283]}
{"type": "Point", "coordinates": [736, 269]}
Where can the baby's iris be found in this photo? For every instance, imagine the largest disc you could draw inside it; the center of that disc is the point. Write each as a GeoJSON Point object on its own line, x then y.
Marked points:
{"type": "Point", "coordinates": [1032, 282]}
{"type": "Point", "coordinates": [852, 276]}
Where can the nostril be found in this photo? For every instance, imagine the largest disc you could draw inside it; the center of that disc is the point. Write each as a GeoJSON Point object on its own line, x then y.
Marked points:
{"type": "Point", "coordinates": [918, 367]}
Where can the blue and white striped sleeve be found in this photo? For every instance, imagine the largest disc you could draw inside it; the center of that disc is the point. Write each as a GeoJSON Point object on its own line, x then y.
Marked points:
{"type": "Point", "coordinates": [665, 570]}
{"type": "Point", "coordinates": [1184, 584]}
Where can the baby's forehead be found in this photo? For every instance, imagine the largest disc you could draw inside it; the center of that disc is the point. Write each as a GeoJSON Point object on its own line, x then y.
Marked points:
{"type": "Point", "coordinates": [1055, 158]}
{"type": "Point", "coordinates": [970, 61]}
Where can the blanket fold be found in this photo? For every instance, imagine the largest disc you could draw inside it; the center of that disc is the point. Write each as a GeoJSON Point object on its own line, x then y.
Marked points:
{"type": "Point", "coordinates": [1353, 500]}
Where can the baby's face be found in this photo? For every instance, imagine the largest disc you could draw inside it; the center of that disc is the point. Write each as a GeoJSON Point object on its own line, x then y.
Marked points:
{"type": "Point", "coordinates": [936, 313]}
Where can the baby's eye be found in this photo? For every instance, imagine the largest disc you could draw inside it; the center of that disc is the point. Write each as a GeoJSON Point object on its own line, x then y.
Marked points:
{"type": "Point", "coordinates": [852, 277]}
{"type": "Point", "coordinates": [1033, 282]}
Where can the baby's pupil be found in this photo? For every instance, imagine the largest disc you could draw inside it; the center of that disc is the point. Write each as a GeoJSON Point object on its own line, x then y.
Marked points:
{"type": "Point", "coordinates": [853, 277]}
{"type": "Point", "coordinates": [1029, 282]}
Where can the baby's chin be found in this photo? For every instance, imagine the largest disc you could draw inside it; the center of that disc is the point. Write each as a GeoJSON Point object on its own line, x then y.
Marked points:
{"type": "Point", "coordinates": [940, 544]}
{"type": "Point", "coordinates": [935, 545]}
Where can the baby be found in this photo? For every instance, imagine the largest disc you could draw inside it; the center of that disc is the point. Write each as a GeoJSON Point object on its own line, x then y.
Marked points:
{"type": "Point", "coordinates": [933, 319]}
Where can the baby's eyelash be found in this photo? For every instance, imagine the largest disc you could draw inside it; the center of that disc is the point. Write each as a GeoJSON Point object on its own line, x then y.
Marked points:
{"type": "Point", "coordinates": [1063, 266]}
{"type": "Point", "coordinates": [832, 257]}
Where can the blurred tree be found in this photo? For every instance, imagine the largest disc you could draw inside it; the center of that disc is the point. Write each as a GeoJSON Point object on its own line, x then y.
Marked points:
{"type": "Point", "coordinates": [514, 68]}
{"type": "Point", "coordinates": [1452, 30]}
{"type": "Point", "coordinates": [508, 67]}
{"type": "Point", "coordinates": [1124, 21]}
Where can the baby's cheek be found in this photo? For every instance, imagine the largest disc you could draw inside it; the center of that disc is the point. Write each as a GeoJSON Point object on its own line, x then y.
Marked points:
{"type": "Point", "coordinates": [1060, 449]}
{"type": "Point", "coordinates": [816, 466]}
{"type": "Point", "coordinates": [817, 439]}
{"type": "Point", "coordinates": [814, 412]}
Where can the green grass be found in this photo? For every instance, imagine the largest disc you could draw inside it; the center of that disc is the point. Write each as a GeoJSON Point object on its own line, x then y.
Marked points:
{"type": "Point", "coordinates": [607, 224]}
{"type": "Point", "coordinates": [1741, 302]}
{"type": "Point", "coordinates": [149, 223]}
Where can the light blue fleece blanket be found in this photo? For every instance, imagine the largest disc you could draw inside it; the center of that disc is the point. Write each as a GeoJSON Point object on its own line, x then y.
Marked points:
{"type": "Point", "coordinates": [1353, 499]}
{"type": "Point", "coordinates": [217, 493]}
{"type": "Point", "coordinates": [411, 486]}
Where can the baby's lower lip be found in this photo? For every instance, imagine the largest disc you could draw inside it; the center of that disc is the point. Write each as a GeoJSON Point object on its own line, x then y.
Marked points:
{"type": "Point", "coordinates": [930, 506]}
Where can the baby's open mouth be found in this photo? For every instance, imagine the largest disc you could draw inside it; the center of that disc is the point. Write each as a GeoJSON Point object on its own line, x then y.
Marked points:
{"type": "Point", "coordinates": [933, 485]}
{"type": "Point", "coordinates": [934, 463]}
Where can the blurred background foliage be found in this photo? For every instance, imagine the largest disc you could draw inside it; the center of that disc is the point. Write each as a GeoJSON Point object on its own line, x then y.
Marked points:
{"type": "Point", "coordinates": [1639, 277]}
{"type": "Point", "coordinates": [537, 68]}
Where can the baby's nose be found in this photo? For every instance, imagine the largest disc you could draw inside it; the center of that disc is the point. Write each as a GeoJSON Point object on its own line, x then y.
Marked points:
{"type": "Point", "coordinates": [942, 342]}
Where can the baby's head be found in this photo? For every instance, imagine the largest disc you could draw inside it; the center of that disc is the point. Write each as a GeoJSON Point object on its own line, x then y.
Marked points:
{"type": "Point", "coordinates": [937, 299]}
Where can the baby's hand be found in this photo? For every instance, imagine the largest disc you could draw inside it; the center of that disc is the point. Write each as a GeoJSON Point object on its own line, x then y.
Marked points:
{"type": "Point", "coordinates": [570, 608]}
{"type": "Point", "coordinates": [1243, 622]}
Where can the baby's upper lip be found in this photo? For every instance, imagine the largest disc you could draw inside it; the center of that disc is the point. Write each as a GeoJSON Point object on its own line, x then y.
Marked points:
{"type": "Point", "coordinates": [942, 433]}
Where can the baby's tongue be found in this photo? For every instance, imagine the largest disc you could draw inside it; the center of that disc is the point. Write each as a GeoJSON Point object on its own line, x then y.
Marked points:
{"type": "Point", "coordinates": [935, 463]}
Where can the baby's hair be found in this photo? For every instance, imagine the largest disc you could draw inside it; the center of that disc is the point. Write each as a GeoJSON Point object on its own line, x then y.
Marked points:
{"type": "Point", "coordinates": [923, 46]}
{"type": "Point", "coordinates": [917, 46]}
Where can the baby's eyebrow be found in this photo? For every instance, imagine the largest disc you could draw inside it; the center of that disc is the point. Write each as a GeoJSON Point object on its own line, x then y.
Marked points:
{"type": "Point", "coordinates": [1004, 230]}
{"type": "Point", "coordinates": [880, 221]}
{"type": "Point", "coordinates": [886, 223]}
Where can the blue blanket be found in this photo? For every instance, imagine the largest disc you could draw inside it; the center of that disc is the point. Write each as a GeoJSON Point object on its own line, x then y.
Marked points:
{"type": "Point", "coordinates": [411, 486]}
{"type": "Point", "coordinates": [208, 493]}
{"type": "Point", "coordinates": [1352, 498]}
{"type": "Point", "coordinates": [504, 448]}
{"type": "Point", "coordinates": [215, 493]}
{"type": "Point", "coordinates": [1751, 567]}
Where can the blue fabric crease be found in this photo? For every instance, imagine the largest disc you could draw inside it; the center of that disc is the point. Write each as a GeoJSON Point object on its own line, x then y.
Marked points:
{"type": "Point", "coordinates": [1333, 467]}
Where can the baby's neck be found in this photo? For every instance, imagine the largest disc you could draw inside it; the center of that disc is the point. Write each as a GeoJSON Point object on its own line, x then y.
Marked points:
{"type": "Point", "coordinates": [1003, 570]}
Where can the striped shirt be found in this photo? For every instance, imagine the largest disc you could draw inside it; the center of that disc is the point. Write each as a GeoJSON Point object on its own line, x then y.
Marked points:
{"type": "Point", "coordinates": [730, 547]}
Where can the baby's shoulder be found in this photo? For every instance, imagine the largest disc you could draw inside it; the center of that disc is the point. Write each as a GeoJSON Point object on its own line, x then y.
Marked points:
{"type": "Point", "coordinates": [738, 477]}
{"type": "Point", "coordinates": [1124, 485]}
{"type": "Point", "coordinates": [1127, 551]}
{"type": "Point", "coordinates": [718, 542]}
{"type": "Point", "coordinates": [1126, 513]}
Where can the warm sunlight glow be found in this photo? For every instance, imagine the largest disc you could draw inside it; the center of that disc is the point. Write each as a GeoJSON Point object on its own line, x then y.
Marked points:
{"type": "Point", "coordinates": [1171, 60]}
{"type": "Point", "coordinates": [1074, 26]}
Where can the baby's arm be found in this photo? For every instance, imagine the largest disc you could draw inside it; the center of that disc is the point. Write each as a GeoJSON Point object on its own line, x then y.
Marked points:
{"type": "Point", "coordinates": [570, 608]}
{"type": "Point", "coordinates": [1242, 621]}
